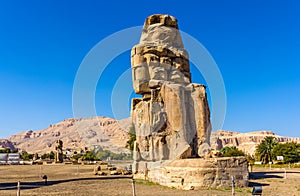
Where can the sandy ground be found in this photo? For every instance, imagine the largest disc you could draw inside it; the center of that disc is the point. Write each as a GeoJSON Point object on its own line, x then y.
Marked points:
{"type": "Point", "coordinates": [79, 180]}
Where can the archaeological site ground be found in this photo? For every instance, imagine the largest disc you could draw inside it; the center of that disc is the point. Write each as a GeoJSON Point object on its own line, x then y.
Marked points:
{"type": "Point", "coordinates": [78, 180]}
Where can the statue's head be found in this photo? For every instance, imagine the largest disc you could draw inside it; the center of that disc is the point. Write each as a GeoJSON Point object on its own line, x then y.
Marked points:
{"type": "Point", "coordinates": [159, 55]}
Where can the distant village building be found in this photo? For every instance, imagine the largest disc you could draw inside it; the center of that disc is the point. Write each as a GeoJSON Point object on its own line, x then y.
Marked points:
{"type": "Point", "coordinates": [3, 158]}
{"type": "Point", "coordinates": [9, 158]}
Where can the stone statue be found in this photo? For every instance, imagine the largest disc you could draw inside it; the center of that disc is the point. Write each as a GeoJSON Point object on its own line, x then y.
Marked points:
{"type": "Point", "coordinates": [59, 151]}
{"type": "Point", "coordinates": [172, 119]}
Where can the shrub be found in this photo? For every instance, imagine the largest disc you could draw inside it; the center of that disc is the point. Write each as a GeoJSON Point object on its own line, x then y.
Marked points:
{"type": "Point", "coordinates": [132, 138]}
{"type": "Point", "coordinates": [231, 152]}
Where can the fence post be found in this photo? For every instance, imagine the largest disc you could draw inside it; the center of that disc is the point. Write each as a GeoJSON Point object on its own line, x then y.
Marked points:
{"type": "Point", "coordinates": [19, 188]}
{"type": "Point", "coordinates": [232, 186]}
{"type": "Point", "coordinates": [284, 173]}
{"type": "Point", "coordinates": [133, 187]}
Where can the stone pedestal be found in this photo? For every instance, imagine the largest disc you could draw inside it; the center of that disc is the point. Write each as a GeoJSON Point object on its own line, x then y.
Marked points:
{"type": "Point", "coordinates": [189, 174]}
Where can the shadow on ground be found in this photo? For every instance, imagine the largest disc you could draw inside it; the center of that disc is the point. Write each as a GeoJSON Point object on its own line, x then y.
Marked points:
{"type": "Point", "coordinates": [33, 185]}
{"type": "Point", "coordinates": [252, 184]}
{"type": "Point", "coordinates": [266, 175]}
{"type": "Point", "coordinates": [270, 174]}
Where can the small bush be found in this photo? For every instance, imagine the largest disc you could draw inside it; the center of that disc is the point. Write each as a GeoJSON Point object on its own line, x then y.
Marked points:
{"type": "Point", "coordinates": [231, 152]}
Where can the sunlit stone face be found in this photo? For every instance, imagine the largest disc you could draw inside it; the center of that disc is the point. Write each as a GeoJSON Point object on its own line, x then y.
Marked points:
{"type": "Point", "coordinates": [172, 117]}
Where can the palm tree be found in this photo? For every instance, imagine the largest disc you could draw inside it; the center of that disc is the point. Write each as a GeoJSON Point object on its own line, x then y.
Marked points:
{"type": "Point", "coordinates": [265, 149]}
{"type": "Point", "coordinates": [132, 138]}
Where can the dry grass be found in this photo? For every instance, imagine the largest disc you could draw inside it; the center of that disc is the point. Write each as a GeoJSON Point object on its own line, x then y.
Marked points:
{"type": "Point", "coordinates": [79, 180]}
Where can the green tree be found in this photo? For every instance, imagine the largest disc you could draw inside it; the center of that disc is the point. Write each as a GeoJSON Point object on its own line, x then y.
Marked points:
{"type": "Point", "coordinates": [8, 150]}
{"type": "Point", "coordinates": [264, 150]}
{"type": "Point", "coordinates": [26, 156]}
{"type": "Point", "coordinates": [77, 156]}
{"type": "Point", "coordinates": [45, 156]}
{"type": "Point", "coordinates": [89, 156]}
{"type": "Point", "coordinates": [289, 151]}
{"type": "Point", "coordinates": [50, 155]}
{"type": "Point", "coordinates": [231, 152]}
{"type": "Point", "coordinates": [132, 137]}
{"type": "Point", "coordinates": [250, 159]}
{"type": "Point", "coordinates": [104, 154]}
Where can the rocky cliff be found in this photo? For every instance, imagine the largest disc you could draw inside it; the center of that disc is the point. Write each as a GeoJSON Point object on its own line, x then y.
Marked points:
{"type": "Point", "coordinates": [5, 143]}
{"type": "Point", "coordinates": [76, 134]}
{"type": "Point", "coordinates": [244, 141]}
{"type": "Point", "coordinates": [112, 134]}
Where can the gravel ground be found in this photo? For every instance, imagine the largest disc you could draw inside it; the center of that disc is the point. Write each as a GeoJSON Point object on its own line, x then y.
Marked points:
{"type": "Point", "coordinates": [79, 180]}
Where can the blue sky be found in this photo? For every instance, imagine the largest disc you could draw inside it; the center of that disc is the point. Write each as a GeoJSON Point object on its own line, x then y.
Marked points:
{"type": "Point", "coordinates": [255, 44]}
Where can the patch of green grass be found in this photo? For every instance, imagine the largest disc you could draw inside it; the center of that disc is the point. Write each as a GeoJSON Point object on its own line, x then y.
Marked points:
{"type": "Point", "coordinates": [248, 191]}
{"type": "Point", "coordinates": [146, 182]}
{"type": "Point", "coordinates": [228, 189]}
{"type": "Point", "coordinates": [243, 190]}
{"type": "Point", "coordinates": [220, 189]}
{"type": "Point", "coordinates": [277, 166]}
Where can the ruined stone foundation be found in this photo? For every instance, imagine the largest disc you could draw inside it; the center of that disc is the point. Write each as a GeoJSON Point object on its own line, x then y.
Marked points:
{"type": "Point", "coordinates": [190, 174]}
{"type": "Point", "coordinates": [172, 119]}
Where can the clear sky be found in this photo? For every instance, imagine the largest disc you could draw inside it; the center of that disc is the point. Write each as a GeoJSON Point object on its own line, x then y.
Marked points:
{"type": "Point", "coordinates": [255, 44]}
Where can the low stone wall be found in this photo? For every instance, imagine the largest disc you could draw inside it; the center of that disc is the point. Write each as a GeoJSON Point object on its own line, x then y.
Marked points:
{"type": "Point", "coordinates": [199, 173]}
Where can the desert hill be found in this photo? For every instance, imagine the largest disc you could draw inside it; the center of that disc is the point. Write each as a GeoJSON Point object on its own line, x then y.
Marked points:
{"type": "Point", "coordinates": [76, 134]}
{"type": "Point", "coordinates": [112, 135]}
{"type": "Point", "coordinates": [244, 141]}
{"type": "Point", "coordinates": [5, 143]}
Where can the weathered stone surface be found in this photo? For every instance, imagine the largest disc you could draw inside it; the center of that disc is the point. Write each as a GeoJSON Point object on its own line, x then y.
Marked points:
{"type": "Point", "coordinates": [159, 55]}
{"type": "Point", "coordinates": [162, 29]}
{"type": "Point", "coordinates": [172, 120]}
{"type": "Point", "coordinates": [191, 174]}
{"type": "Point", "coordinates": [97, 168]}
{"type": "Point", "coordinates": [59, 151]}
